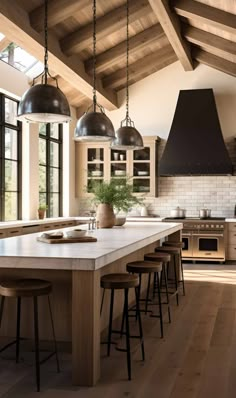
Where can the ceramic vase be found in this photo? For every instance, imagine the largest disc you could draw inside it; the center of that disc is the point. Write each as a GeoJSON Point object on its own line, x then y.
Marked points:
{"type": "Point", "coordinates": [105, 216]}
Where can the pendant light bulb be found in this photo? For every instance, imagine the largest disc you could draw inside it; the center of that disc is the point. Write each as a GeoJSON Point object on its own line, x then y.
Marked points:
{"type": "Point", "coordinates": [127, 136]}
{"type": "Point", "coordinates": [94, 126]}
{"type": "Point", "coordinates": [44, 103]}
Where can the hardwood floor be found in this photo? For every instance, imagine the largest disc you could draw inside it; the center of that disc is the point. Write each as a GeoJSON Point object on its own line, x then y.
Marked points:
{"type": "Point", "coordinates": [196, 358]}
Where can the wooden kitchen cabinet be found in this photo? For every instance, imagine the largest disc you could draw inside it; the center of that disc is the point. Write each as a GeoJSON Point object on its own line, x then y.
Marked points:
{"type": "Point", "coordinates": [99, 162]}
{"type": "Point", "coordinates": [231, 241]}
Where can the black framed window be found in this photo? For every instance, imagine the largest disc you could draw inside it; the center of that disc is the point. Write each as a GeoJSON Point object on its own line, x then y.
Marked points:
{"type": "Point", "coordinates": [50, 168]}
{"type": "Point", "coordinates": [10, 160]}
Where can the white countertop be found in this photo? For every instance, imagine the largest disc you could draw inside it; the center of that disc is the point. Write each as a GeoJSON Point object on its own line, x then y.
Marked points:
{"type": "Point", "coordinates": [26, 252]}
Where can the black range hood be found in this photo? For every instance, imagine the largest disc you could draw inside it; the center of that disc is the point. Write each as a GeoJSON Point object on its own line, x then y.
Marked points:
{"type": "Point", "coordinates": [195, 145]}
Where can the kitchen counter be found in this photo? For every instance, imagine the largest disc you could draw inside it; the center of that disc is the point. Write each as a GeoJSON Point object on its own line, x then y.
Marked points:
{"type": "Point", "coordinates": [75, 270]}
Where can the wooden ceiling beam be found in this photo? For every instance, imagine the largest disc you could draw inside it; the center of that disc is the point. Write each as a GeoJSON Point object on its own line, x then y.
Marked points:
{"type": "Point", "coordinates": [58, 11]}
{"type": "Point", "coordinates": [171, 27]}
{"type": "Point", "coordinates": [4, 43]}
{"type": "Point", "coordinates": [15, 25]}
{"type": "Point", "coordinates": [205, 14]}
{"type": "Point", "coordinates": [158, 60]}
{"type": "Point", "coordinates": [138, 42]}
{"type": "Point", "coordinates": [211, 43]}
{"type": "Point", "coordinates": [109, 23]}
{"type": "Point", "coordinates": [214, 62]}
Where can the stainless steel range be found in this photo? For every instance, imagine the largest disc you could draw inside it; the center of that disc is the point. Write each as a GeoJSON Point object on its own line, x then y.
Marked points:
{"type": "Point", "coordinates": [204, 239]}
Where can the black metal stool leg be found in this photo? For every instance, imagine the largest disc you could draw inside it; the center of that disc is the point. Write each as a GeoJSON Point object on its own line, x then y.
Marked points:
{"type": "Point", "coordinates": [110, 323]}
{"type": "Point", "coordinates": [140, 322]}
{"type": "Point", "coordinates": [36, 337]}
{"type": "Point", "coordinates": [122, 322]}
{"type": "Point", "coordinates": [1, 309]}
{"type": "Point", "coordinates": [160, 304]}
{"type": "Point", "coordinates": [126, 291]}
{"type": "Point", "coordinates": [166, 289]}
{"type": "Point", "coordinates": [18, 328]}
{"type": "Point", "coordinates": [147, 294]}
{"type": "Point", "coordinates": [103, 295]}
{"type": "Point", "coordinates": [176, 280]}
{"type": "Point", "coordinates": [54, 335]}
{"type": "Point", "coordinates": [182, 274]}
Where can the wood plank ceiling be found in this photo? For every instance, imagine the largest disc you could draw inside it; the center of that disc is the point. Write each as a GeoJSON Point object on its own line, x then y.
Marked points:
{"type": "Point", "coordinates": [161, 32]}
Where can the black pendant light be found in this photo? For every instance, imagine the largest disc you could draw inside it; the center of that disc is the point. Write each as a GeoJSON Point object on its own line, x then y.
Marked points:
{"type": "Point", "coordinates": [44, 103]}
{"type": "Point", "coordinates": [94, 126]}
{"type": "Point", "coordinates": [127, 136]}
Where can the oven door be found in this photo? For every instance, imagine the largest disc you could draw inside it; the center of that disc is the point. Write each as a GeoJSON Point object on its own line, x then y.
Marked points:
{"type": "Point", "coordinates": [209, 245]}
{"type": "Point", "coordinates": [187, 250]}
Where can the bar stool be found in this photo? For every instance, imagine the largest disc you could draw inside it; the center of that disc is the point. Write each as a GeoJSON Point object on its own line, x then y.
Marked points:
{"type": "Point", "coordinates": [123, 281]}
{"type": "Point", "coordinates": [148, 267]}
{"type": "Point", "coordinates": [28, 288]}
{"type": "Point", "coordinates": [179, 245]}
{"type": "Point", "coordinates": [165, 258]}
{"type": "Point", "coordinates": [172, 251]}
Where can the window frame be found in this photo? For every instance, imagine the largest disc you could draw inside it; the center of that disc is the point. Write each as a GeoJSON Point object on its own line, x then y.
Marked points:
{"type": "Point", "coordinates": [18, 128]}
{"type": "Point", "coordinates": [48, 139]}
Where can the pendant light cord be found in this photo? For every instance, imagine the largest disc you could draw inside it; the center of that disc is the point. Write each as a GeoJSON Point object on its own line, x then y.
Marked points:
{"type": "Point", "coordinates": [94, 56]}
{"type": "Point", "coordinates": [127, 62]}
{"type": "Point", "coordinates": [46, 39]}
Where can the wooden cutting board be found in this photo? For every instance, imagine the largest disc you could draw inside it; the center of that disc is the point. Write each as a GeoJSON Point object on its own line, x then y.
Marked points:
{"type": "Point", "coordinates": [68, 240]}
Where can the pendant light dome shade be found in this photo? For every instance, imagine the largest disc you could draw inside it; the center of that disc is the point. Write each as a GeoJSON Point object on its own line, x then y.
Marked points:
{"type": "Point", "coordinates": [94, 126]}
{"type": "Point", "coordinates": [127, 137]}
{"type": "Point", "coordinates": [44, 103]}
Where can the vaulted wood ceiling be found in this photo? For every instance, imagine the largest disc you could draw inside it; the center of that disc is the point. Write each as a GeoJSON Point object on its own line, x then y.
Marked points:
{"type": "Point", "coordinates": [161, 32]}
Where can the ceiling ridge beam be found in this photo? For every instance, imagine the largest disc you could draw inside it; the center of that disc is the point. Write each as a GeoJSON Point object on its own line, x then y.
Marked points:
{"type": "Point", "coordinates": [211, 43]}
{"type": "Point", "coordinates": [58, 11]}
{"type": "Point", "coordinates": [171, 26]}
{"type": "Point", "coordinates": [214, 62]}
{"type": "Point", "coordinates": [15, 24]}
{"type": "Point", "coordinates": [206, 14]}
{"type": "Point", "coordinates": [117, 53]}
{"type": "Point", "coordinates": [109, 23]}
{"type": "Point", "coordinates": [141, 66]}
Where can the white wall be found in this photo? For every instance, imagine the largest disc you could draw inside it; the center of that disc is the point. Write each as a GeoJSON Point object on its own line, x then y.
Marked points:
{"type": "Point", "coordinates": [153, 99]}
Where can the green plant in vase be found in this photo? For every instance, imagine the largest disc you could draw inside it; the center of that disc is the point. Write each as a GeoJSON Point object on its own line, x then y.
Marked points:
{"type": "Point", "coordinates": [42, 210]}
{"type": "Point", "coordinates": [109, 195]}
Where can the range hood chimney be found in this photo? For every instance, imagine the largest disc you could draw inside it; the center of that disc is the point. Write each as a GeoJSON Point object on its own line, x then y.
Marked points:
{"type": "Point", "coordinates": [195, 145]}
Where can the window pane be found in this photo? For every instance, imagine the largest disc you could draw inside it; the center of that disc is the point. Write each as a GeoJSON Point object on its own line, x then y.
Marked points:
{"type": "Point", "coordinates": [42, 128]}
{"type": "Point", "coordinates": [54, 180]}
{"type": "Point", "coordinates": [10, 144]}
{"type": "Point", "coordinates": [54, 130]}
{"type": "Point", "coordinates": [42, 151]}
{"type": "Point", "coordinates": [10, 206]}
{"type": "Point", "coordinates": [42, 179]}
{"type": "Point", "coordinates": [54, 205]}
{"type": "Point", "coordinates": [10, 111]}
{"type": "Point", "coordinates": [54, 154]}
{"type": "Point", "coordinates": [42, 199]}
{"type": "Point", "coordinates": [10, 175]}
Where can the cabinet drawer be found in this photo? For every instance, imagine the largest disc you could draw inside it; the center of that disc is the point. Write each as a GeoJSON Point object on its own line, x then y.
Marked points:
{"type": "Point", "coordinates": [15, 232]}
{"type": "Point", "coordinates": [46, 227]}
{"type": "Point", "coordinates": [3, 233]}
{"type": "Point", "coordinates": [231, 227]}
{"type": "Point", "coordinates": [231, 252]}
{"type": "Point", "coordinates": [30, 229]}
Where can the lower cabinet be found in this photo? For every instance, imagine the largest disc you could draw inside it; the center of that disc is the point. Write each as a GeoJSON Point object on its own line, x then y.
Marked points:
{"type": "Point", "coordinates": [231, 241]}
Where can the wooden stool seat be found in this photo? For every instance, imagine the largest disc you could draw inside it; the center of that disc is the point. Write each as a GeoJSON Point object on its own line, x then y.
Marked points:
{"type": "Point", "coordinates": [144, 267]}
{"type": "Point", "coordinates": [119, 281]}
{"type": "Point", "coordinates": [172, 243]}
{"type": "Point", "coordinates": [25, 288]}
{"type": "Point", "coordinates": [157, 257]}
{"type": "Point", "coordinates": [168, 249]}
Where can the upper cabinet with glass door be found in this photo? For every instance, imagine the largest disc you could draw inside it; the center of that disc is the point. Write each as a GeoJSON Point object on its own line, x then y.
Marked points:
{"type": "Point", "coordinates": [144, 167]}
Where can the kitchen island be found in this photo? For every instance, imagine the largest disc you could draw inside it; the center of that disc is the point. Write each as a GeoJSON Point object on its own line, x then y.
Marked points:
{"type": "Point", "coordinates": [75, 270]}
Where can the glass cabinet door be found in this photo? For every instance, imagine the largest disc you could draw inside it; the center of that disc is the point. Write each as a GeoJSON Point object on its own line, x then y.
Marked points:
{"type": "Point", "coordinates": [141, 170]}
{"type": "Point", "coordinates": [118, 163]}
{"type": "Point", "coordinates": [95, 166]}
